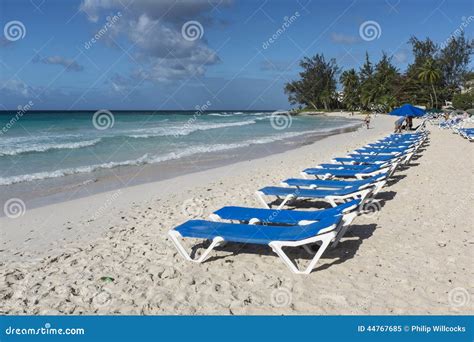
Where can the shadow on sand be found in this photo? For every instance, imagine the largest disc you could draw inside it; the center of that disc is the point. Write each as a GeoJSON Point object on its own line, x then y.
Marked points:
{"type": "Point", "coordinates": [345, 250]}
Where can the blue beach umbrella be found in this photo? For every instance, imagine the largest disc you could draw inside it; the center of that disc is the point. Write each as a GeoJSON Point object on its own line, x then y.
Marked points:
{"type": "Point", "coordinates": [408, 110]}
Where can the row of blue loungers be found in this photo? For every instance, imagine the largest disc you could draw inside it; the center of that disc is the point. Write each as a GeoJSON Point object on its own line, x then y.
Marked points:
{"type": "Point", "coordinates": [467, 133]}
{"type": "Point", "coordinates": [346, 184]}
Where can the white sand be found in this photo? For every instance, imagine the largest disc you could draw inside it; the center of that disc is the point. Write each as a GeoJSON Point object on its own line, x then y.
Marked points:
{"type": "Point", "coordinates": [414, 256]}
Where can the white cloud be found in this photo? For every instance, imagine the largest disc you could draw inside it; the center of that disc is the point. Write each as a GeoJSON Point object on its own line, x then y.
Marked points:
{"type": "Point", "coordinates": [342, 38]}
{"type": "Point", "coordinates": [154, 29]}
{"type": "Point", "coordinates": [67, 63]}
{"type": "Point", "coordinates": [16, 87]}
{"type": "Point", "coordinates": [166, 10]}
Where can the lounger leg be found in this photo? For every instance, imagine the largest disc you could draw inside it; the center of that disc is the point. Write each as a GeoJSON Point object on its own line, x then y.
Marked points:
{"type": "Point", "coordinates": [408, 158]}
{"type": "Point", "coordinates": [260, 197]}
{"type": "Point", "coordinates": [175, 236]}
{"type": "Point", "coordinates": [278, 249]}
{"type": "Point", "coordinates": [215, 218]}
{"type": "Point", "coordinates": [379, 186]}
{"type": "Point", "coordinates": [393, 169]}
{"type": "Point", "coordinates": [344, 227]}
{"type": "Point", "coordinates": [331, 201]}
{"type": "Point", "coordinates": [364, 197]}
{"type": "Point", "coordinates": [286, 200]}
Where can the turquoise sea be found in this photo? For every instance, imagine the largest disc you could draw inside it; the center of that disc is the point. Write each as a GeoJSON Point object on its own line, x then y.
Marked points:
{"type": "Point", "coordinates": [45, 145]}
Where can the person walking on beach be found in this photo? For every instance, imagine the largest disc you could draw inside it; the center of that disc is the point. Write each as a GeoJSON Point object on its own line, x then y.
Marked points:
{"type": "Point", "coordinates": [409, 123]}
{"type": "Point", "coordinates": [399, 124]}
{"type": "Point", "coordinates": [367, 120]}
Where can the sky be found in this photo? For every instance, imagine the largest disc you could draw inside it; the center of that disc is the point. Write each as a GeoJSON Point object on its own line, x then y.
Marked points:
{"type": "Point", "coordinates": [181, 55]}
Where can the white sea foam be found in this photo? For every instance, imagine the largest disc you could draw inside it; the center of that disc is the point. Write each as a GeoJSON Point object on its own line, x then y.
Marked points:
{"type": "Point", "coordinates": [153, 159]}
{"type": "Point", "coordinates": [38, 138]}
{"type": "Point", "coordinates": [185, 129]}
{"type": "Point", "coordinates": [44, 147]}
{"type": "Point", "coordinates": [220, 114]}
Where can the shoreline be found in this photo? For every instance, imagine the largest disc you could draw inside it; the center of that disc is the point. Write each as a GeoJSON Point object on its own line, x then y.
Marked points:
{"type": "Point", "coordinates": [409, 256]}
{"type": "Point", "coordinates": [59, 189]}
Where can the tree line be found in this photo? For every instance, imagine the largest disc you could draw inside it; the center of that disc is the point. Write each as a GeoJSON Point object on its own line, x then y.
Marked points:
{"type": "Point", "coordinates": [436, 75]}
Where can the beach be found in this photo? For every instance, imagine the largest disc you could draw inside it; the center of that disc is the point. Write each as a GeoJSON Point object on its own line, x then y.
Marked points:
{"type": "Point", "coordinates": [108, 253]}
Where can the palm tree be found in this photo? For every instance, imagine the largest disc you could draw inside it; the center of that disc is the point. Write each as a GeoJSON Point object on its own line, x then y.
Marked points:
{"type": "Point", "coordinates": [430, 73]}
{"type": "Point", "coordinates": [350, 82]}
{"type": "Point", "coordinates": [387, 102]}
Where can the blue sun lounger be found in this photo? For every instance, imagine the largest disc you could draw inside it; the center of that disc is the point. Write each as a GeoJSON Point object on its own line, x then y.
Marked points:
{"type": "Point", "coordinates": [332, 196]}
{"type": "Point", "coordinates": [405, 153]}
{"type": "Point", "coordinates": [391, 145]}
{"type": "Point", "coordinates": [281, 216]}
{"type": "Point", "coordinates": [395, 143]}
{"type": "Point", "coordinates": [277, 237]}
{"type": "Point", "coordinates": [467, 133]}
{"type": "Point", "coordinates": [369, 171]}
{"type": "Point", "coordinates": [383, 150]}
{"type": "Point", "coordinates": [406, 137]}
{"type": "Point", "coordinates": [287, 217]}
{"type": "Point", "coordinates": [362, 167]}
{"type": "Point", "coordinates": [366, 159]}
{"type": "Point", "coordinates": [334, 184]}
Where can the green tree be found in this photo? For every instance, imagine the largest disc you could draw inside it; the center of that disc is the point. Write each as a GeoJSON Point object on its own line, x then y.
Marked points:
{"type": "Point", "coordinates": [414, 90]}
{"type": "Point", "coordinates": [351, 90]}
{"type": "Point", "coordinates": [367, 84]}
{"type": "Point", "coordinates": [463, 101]}
{"type": "Point", "coordinates": [429, 72]}
{"type": "Point", "coordinates": [386, 79]}
{"type": "Point", "coordinates": [317, 84]}
{"type": "Point", "coordinates": [454, 61]}
{"type": "Point", "coordinates": [386, 103]}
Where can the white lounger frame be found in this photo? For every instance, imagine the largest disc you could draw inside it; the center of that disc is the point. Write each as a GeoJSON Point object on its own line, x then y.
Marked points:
{"type": "Point", "coordinates": [359, 176]}
{"type": "Point", "coordinates": [332, 200]}
{"type": "Point", "coordinates": [331, 234]}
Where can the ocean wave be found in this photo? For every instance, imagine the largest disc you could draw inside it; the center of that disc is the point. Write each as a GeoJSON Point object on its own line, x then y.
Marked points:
{"type": "Point", "coordinates": [185, 129]}
{"type": "Point", "coordinates": [39, 137]}
{"type": "Point", "coordinates": [145, 159]}
{"type": "Point", "coordinates": [12, 151]}
{"type": "Point", "coordinates": [220, 114]}
{"type": "Point", "coordinates": [154, 159]}
{"type": "Point", "coordinates": [236, 113]}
